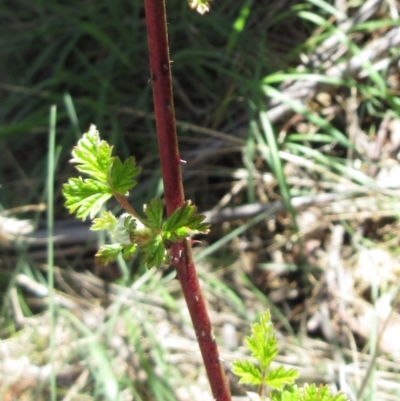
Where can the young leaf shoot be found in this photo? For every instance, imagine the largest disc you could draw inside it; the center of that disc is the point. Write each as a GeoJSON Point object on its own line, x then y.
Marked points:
{"type": "Point", "coordinates": [277, 382]}
{"type": "Point", "coordinates": [110, 176]}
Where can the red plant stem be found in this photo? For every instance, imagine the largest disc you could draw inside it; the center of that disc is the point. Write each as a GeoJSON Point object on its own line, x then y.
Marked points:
{"type": "Point", "coordinates": [163, 103]}
{"type": "Point", "coordinates": [173, 189]}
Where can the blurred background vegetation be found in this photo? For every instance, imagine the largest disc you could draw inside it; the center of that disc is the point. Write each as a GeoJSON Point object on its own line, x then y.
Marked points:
{"type": "Point", "coordinates": [288, 120]}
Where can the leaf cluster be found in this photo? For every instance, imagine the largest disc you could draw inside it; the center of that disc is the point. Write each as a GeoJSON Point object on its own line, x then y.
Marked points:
{"type": "Point", "coordinates": [109, 176]}
{"type": "Point", "coordinates": [280, 381]}
{"type": "Point", "coordinates": [263, 347]}
{"type": "Point", "coordinates": [151, 234]}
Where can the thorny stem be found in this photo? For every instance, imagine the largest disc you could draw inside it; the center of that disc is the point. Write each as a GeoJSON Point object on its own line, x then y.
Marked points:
{"type": "Point", "coordinates": [173, 189]}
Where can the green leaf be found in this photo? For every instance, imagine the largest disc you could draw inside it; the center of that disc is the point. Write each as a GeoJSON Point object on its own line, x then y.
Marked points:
{"type": "Point", "coordinates": [154, 212]}
{"type": "Point", "coordinates": [279, 377]}
{"type": "Point", "coordinates": [85, 197]}
{"type": "Point", "coordinates": [290, 393]}
{"type": "Point", "coordinates": [154, 252]}
{"type": "Point", "coordinates": [123, 174]}
{"type": "Point", "coordinates": [184, 222]}
{"type": "Point", "coordinates": [263, 346]}
{"type": "Point", "coordinates": [307, 393]}
{"type": "Point", "coordinates": [107, 221]}
{"type": "Point", "coordinates": [108, 253]}
{"type": "Point", "coordinates": [124, 229]}
{"type": "Point", "coordinates": [322, 393]}
{"type": "Point", "coordinates": [247, 371]}
{"type": "Point", "coordinates": [128, 251]}
{"type": "Point", "coordinates": [131, 225]}
{"type": "Point", "coordinates": [312, 392]}
{"type": "Point", "coordinates": [262, 343]}
{"type": "Point", "coordinates": [92, 155]}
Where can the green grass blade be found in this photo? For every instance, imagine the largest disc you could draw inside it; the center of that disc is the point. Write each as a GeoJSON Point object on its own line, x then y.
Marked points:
{"type": "Point", "coordinates": [99, 360]}
{"type": "Point", "coordinates": [73, 117]}
{"type": "Point", "coordinates": [50, 245]}
{"type": "Point", "coordinates": [312, 117]}
{"type": "Point", "coordinates": [276, 163]}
